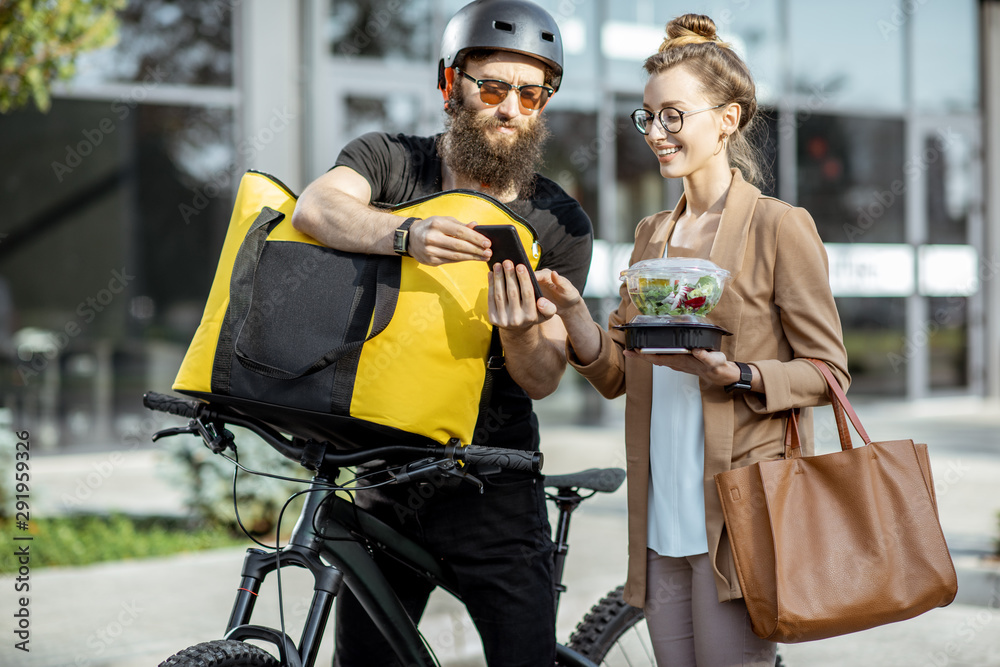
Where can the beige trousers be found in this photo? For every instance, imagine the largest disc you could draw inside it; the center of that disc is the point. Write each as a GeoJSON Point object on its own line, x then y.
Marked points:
{"type": "Point", "coordinates": [688, 625]}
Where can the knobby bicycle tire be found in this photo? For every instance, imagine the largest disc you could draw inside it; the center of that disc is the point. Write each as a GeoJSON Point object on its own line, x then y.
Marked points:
{"type": "Point", "coordinates": [222, 653]}
{"type": "Point", "coordinates": [613, 632]}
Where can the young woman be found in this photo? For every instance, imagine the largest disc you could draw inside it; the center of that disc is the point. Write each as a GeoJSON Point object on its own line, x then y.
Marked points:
{"type": "Point", "coordinates": [690, 416]}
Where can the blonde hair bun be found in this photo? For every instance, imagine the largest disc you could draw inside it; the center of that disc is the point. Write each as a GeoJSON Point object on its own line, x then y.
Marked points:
{"type": "Point", "coordinates": [691, 29]}
{"type": "Point", "coordinates": [725, 79]}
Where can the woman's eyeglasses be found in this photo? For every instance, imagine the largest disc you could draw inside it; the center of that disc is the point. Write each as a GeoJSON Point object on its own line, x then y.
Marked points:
{"type": "Point", "coordinates": [494, 91]}
{"type": "Point", "coordinates": [671, 119]}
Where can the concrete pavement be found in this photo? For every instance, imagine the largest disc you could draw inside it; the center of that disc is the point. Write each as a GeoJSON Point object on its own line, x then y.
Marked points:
{"type": "Point", "coordinates": [128, 614]}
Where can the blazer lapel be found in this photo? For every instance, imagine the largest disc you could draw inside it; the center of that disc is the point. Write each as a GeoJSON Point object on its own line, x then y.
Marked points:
{"type": "Point", "coordinates": [658, 241]}
{"type": "Point", "coordinates": [730, 242]}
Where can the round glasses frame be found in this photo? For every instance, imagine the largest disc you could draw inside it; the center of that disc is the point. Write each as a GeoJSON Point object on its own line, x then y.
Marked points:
{"type": "Point", "coordinates": [504, 89]}
{"type": "Point", "coordinates": [643, 118]}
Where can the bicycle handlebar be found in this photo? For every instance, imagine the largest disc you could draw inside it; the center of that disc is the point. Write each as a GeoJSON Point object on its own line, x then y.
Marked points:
{"type": "Point", "coordinates": [182, 407]}
{"type": "Point", "coordinates": [511, 459]}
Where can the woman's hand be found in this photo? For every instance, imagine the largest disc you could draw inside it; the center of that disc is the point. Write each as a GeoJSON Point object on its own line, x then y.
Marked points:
{"type": "Point", "coordinates": [566, 301]}
{"type": "Point", "coordinates": [713, 367]}
{"type": "Point", "coordinates": [558, 290]}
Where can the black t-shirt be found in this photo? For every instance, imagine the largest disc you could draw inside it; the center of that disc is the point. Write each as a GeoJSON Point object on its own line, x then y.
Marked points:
{"type": "Point", "coordinates": [401, 168]}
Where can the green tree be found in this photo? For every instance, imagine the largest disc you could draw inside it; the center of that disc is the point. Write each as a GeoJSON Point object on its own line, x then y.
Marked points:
{"type": "Point", "coordinates": [40, 40]}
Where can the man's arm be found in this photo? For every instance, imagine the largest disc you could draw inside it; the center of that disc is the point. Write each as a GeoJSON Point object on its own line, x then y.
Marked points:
{"type": "Point", "coordinates": [336, 210]}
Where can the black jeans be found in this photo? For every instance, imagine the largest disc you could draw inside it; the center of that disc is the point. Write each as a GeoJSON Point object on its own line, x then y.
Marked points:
{"type": "Point", "coordinates": [499, 546]}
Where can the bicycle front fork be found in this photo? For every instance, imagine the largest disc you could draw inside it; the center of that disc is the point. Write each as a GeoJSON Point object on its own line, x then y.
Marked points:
{"type": "Point", "coordinates": [259, 563]}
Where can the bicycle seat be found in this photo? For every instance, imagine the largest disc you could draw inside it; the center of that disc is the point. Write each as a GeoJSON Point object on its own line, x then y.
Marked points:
{"type": "Point", "coordinates": [605, 480]}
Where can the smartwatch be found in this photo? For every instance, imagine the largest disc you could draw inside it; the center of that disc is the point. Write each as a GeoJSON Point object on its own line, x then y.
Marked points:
{"type": "Point", "coordinates": [743, 384]}
{"type": "Point", "coordinates": [401, 237]}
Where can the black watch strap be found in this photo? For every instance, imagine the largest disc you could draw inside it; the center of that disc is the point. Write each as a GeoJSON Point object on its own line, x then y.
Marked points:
{"type": "Point", "coordinates": [401, 237]}
{"type": "Point", "coordinates": [743, 384]}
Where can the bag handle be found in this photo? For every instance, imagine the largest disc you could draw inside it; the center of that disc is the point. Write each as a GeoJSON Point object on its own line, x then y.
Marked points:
{"type": "Point", "coordinates": [841, 407]}
{"type": "Point", "coordinates": [380, 274]}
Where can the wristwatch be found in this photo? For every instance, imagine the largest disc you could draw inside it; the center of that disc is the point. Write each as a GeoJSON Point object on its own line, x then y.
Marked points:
{"type": "Point", "coordinates": [401, 237]}
{"type": "Point", "coordinates": [743, 384]}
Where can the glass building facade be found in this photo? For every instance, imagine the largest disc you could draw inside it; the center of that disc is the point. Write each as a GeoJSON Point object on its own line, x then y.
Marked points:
{"type": "Point", "coordinates": [873, 117]}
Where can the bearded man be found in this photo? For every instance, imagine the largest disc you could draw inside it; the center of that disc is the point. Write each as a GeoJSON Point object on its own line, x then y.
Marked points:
{"type": "Point", "coordinates": [501, 61]}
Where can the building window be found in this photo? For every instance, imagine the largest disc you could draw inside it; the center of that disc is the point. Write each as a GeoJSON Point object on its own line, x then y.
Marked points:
{"type": "Point", "coordinates": [388, 29]}
{"type": "Point", "coordinates": [851, 177]}
{"type": "Point", "coordinates": [875, 337]}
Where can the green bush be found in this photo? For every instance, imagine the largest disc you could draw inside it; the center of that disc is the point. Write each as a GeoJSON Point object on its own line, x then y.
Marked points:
{"type": "Point", "coordinates": [84, 539]}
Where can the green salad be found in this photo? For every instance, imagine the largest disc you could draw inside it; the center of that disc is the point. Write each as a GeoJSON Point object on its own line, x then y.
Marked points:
{"type": "Point", "coordinates": [661, 296]}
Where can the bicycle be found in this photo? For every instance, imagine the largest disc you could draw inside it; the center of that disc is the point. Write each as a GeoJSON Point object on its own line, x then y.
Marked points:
{"type": "Point", "coordinates": [331, 527]}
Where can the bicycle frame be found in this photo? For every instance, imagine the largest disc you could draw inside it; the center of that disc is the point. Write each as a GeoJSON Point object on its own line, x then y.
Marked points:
{"type": "Point", "coordinates": [343, 531]}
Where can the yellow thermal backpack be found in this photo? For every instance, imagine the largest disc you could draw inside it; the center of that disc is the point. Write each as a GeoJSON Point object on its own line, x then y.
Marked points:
{"type": "Point", "coordinates": [341, 346]}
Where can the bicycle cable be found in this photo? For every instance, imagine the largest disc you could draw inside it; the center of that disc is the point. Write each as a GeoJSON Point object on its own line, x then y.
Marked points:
{"type": "Point", "coordinates": [331, 490]}
{"type": "Point", "coordinates": [277, 529]}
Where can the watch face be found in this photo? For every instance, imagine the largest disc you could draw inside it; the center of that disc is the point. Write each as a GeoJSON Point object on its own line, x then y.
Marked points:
{"type": "Point", "coordinates": [399, 241]}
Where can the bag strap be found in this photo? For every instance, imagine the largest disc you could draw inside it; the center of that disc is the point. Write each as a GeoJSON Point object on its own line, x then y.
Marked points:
{"type": "Point", "coordinates": [842, 411]}
{"type": "Point", "coordinates": [381, 274]}
{"type": "Point", "coordinates": [241, 285]}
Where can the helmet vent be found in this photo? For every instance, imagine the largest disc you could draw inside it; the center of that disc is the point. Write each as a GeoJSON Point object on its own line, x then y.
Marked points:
{"type": "Point", "coordinates": [503, 25]}
{"type": "Point", "coordinates": [548, 36]}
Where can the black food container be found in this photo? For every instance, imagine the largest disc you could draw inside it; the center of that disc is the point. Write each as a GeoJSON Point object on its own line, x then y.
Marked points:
{"type": "Point", "coordinates": [672, 337]}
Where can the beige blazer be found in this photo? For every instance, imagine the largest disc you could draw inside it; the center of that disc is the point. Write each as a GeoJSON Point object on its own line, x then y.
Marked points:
{"type": "Point", "coordinates": [779, 307]}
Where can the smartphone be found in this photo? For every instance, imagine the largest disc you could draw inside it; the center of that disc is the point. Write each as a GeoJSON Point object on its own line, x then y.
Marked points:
{"type": "Point", "coordinates": [506, 244]}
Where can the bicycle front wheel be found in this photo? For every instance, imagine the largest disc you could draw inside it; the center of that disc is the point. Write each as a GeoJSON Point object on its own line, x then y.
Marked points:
{"type": "Point", "coordinates": [222, 653]}
{"type": "Point", "coordinates": [614, 633]}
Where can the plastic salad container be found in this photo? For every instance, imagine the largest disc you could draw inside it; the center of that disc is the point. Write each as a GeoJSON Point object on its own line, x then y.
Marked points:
{"type": "Point", "coordinates": [675, 287]}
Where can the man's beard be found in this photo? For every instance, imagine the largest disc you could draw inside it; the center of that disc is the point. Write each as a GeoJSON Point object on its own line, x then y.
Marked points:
{"type": "Point", "coordinates": [471, 147]}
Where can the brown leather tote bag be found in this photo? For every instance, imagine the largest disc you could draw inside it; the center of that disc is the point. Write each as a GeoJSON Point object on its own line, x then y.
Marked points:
{"type": "Point", "coordinates": [831, 544]}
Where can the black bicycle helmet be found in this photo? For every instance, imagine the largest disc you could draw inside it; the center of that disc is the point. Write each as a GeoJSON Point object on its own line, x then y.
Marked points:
{"type": "Point", "coordinates": [502, 25]}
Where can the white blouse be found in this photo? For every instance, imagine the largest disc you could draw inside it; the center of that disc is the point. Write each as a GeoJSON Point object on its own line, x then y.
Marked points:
{"type": "Point", "coordinates": [676, 515]}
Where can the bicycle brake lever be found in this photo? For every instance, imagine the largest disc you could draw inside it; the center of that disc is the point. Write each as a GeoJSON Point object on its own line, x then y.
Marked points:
{"type": "Point", "coordinates": [428, 469]}
{"type": "Point", "coordinates": [472, 478]}
{"type": "Point", "coordinates": [462, 474]}
{"type": "Point", "coordinates": [181, 430]}
{"type": "Point", "coordinates": [416, 471]}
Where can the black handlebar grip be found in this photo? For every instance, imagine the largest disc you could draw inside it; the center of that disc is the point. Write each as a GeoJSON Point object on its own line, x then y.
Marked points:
{"type": "Point", "coordinates": [511, 459]}
{"type": "Point", "coordinates": [182, 407]}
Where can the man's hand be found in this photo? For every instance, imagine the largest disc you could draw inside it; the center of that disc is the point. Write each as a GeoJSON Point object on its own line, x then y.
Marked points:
{"type": "Point", "coordinates": [533, 339]}
{"type": "Point", "coordinates": [512, 304]}
{"type": "Point", "coordinates": [441, 240]}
